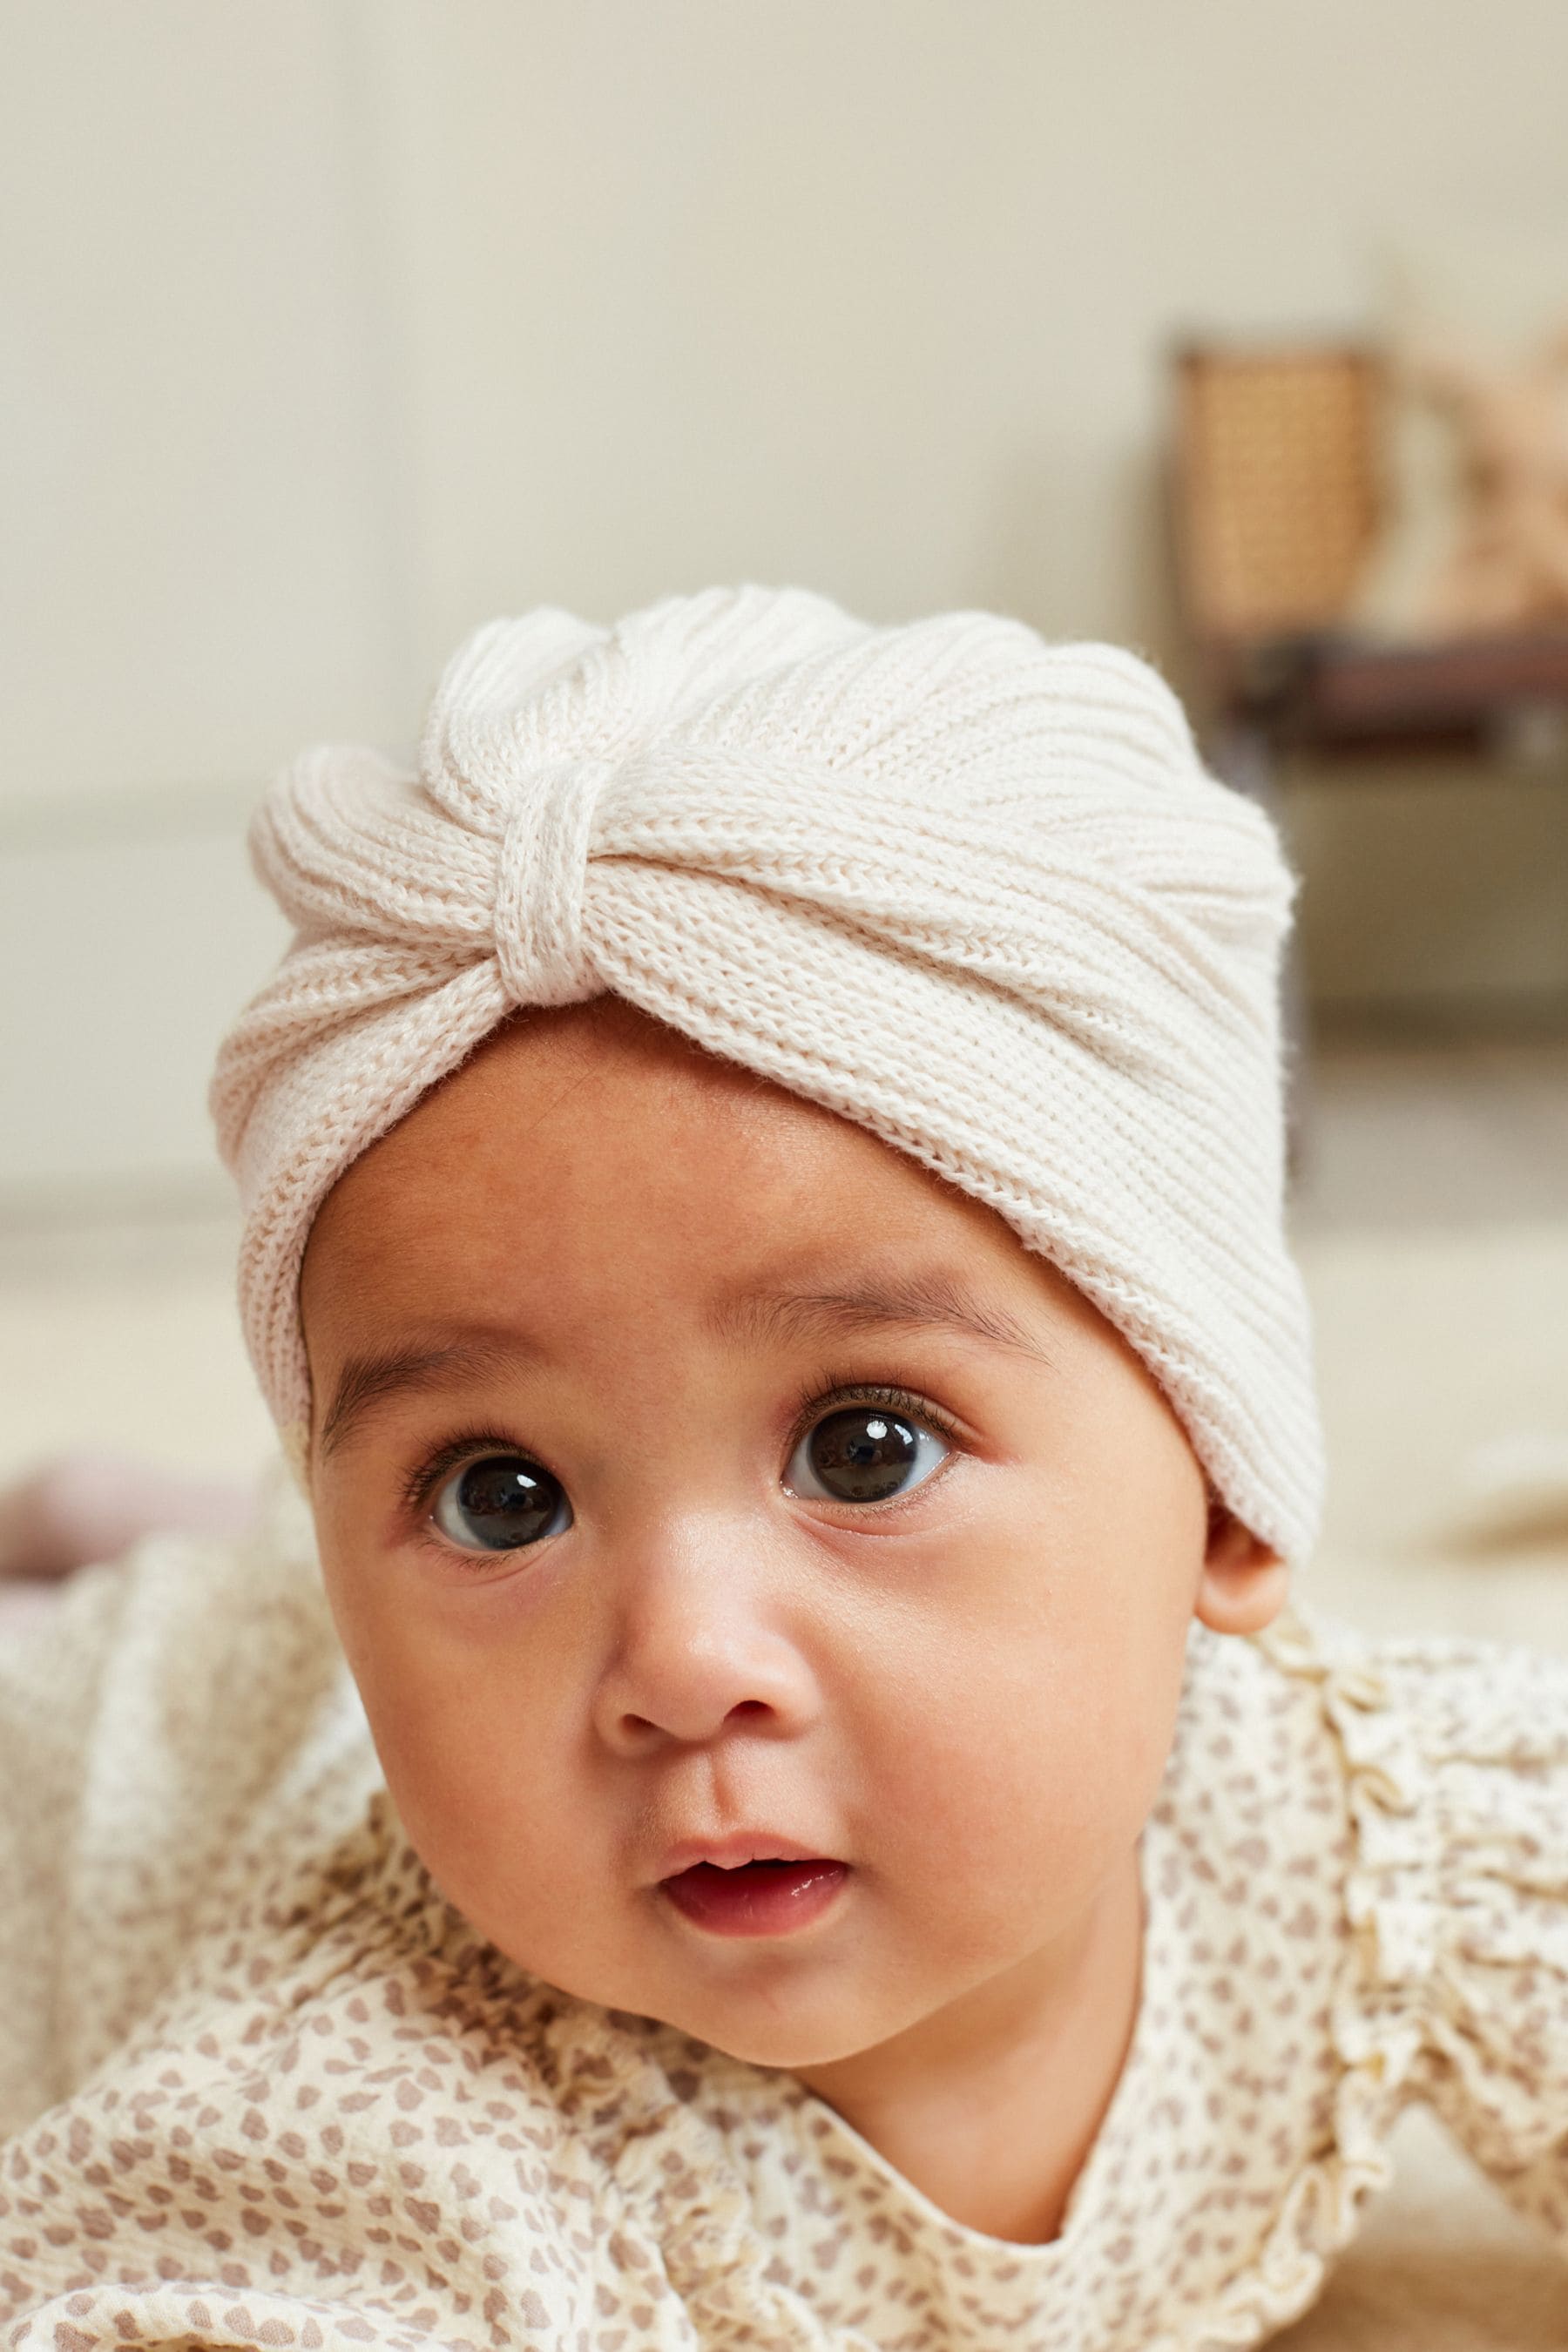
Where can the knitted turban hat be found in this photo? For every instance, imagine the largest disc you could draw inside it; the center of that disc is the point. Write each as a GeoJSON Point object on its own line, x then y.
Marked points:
{"type": "Point", "coordinates": [971, 890]}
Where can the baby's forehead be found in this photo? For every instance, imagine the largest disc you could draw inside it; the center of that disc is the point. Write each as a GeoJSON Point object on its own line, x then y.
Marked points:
{"type": "Point", "coordinates": [596, 1156]}
{"type": "Point", "coordinates": [577, 1113]}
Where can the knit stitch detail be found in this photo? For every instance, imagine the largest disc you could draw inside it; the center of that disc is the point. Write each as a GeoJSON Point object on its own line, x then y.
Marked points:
{"type": "Point", "coordinates": [974, 892]}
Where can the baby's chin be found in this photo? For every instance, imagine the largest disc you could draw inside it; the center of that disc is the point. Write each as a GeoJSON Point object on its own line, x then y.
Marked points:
{"type": "Point", "coordinates": [785, 2019]}
{"type": "Point", "coordinates": [785, 2043]}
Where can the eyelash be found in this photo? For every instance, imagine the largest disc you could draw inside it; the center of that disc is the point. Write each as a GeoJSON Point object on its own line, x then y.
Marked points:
{"type": "Point", "coordinates": [424, 1480]}
{"type": "Point", "coordinates": [820, 1396]}
{"type": "Point", "coordinates": [827, 1395]}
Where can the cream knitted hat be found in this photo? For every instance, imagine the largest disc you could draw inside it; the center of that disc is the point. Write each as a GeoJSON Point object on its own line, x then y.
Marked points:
{"type": "Point", "coordinates": [974, 891]}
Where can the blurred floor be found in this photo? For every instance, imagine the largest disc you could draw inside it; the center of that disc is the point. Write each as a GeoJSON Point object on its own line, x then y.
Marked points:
{"type": "Point", "coordinates": [125, 1337]}
{"type": "Point", "coordinates": [1451, 1134]}
{"type": "Point", "coordinates": [1431, 1219]}
{"type": "Point", "coordinates": [1432, 1222]}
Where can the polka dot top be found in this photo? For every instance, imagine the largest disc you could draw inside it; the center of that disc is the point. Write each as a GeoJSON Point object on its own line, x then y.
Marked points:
{"type": "Point", "coordinates": [260, 2085]}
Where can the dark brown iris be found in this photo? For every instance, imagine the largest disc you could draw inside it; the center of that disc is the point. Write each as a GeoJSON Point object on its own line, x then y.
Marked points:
{"type": "Point", "coordinates": [863, 1454]}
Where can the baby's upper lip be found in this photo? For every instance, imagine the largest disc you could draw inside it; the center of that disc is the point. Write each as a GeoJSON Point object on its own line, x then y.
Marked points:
{"type": "Point", "coordinates": [734, 1848]}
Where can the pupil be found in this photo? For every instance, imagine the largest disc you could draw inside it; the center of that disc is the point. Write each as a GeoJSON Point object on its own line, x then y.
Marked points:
{"type": "Point", "coordinates": [508, 1503]}
{"type": "Point", "coordinates": [862, 1455]}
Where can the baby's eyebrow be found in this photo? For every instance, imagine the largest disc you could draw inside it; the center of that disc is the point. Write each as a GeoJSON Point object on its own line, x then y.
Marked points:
{"type": "Point", "coordinates": [919, 1303]}
{"type": "Point", "coordinates": [366, 1380]}
{"type": "Point", "coordinates": [933, 1302]}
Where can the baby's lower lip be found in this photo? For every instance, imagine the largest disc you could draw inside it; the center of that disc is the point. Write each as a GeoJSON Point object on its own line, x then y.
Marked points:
{"type": "Point", "coordinates": [759, 1898]}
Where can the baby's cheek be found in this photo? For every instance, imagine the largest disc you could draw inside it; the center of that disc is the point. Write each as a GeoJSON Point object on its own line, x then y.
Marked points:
{"type": "Point", "coordinates": [523, 1862]}
{"type": "Point", "coordinates": [1029, 1771]}
{"type": "Point", "coordinates": [462, 1736]}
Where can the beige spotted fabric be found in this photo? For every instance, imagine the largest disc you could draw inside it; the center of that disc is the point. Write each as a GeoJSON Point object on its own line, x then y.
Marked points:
{"type": "Point", "coordinates": [262, 2087]}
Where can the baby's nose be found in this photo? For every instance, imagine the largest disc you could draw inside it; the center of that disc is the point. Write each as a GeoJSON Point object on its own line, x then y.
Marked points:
{"type": "Point", "coordinates": [699, 1645]}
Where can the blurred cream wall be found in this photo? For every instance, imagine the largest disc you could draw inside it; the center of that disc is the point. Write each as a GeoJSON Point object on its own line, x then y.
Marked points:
{"type": "Point", "coordinates": [333, 326]}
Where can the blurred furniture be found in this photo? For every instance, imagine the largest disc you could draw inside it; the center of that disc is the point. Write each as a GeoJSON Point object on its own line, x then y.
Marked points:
{"type": "Point", "coordinates": [1275, 498]}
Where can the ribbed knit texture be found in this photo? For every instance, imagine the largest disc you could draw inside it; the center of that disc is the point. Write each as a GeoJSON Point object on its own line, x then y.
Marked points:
{"type": "Point", "coordinates": [971, 890]}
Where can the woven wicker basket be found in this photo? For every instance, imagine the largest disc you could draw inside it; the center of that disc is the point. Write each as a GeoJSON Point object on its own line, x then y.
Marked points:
{"type": "Point", "coordinates": [1276, 489]}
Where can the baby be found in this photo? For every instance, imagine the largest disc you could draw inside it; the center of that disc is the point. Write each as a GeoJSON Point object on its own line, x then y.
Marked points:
{"type": "Point", "coordinates": [763, 1184]}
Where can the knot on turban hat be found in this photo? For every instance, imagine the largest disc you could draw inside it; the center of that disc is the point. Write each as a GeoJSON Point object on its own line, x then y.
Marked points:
{"type": "Point", "coordinates": [971, 890]}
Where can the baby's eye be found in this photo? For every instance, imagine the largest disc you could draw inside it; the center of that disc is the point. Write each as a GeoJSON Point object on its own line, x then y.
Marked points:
{"type": "Point", "coordinates": [864, 1453]}
{"type": "Point", "coordinates": [500, 1503]}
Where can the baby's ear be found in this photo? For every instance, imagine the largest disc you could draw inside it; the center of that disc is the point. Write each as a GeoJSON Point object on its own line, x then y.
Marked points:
{"type": "Point", "coordinates": [1244, 1585]}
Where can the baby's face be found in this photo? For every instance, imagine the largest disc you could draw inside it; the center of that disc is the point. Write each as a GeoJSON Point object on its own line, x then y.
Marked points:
{"type": "Point", "coordinates": [768, 1582]}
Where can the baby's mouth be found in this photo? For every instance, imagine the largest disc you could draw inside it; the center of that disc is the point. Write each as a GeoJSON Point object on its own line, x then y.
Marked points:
{"type": "Point", "coordinates": [756, 1899]}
